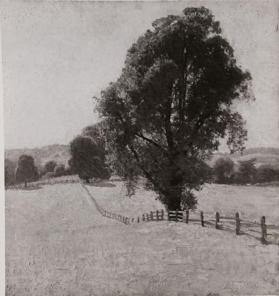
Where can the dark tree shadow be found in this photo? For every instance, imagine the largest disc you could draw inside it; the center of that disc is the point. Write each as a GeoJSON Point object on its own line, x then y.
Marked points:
{"type": "Point", "coordinates": [31, 187]}
{"type": "Point", "coordinates": [22, 187]}
{"type": "Point", "coordinates": [100, 184]}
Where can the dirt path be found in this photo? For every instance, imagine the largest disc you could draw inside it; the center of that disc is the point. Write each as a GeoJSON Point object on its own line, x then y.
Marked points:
{"type": "Point", "coordinates": [58, 244]}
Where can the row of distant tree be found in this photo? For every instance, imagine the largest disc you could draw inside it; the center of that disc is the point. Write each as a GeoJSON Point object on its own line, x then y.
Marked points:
{"type": "Point", "coordinates": [225, 171]}
{"type": "Point", "coordinates": [88, 160]}
{"type": "Point", "coordinates": [25, 170]}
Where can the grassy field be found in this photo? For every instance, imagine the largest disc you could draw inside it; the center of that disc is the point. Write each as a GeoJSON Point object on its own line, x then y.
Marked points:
{"type": "Point", "coordinates": [58, 244]}
{"type": "Point", "coordinates": [251, 202]}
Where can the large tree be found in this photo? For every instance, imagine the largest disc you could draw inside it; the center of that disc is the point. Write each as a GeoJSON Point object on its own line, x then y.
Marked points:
{"type": "Point", "coordinates": [26, 170]}
{"type": "Point", "coordinates": [173, 102]}
{"type": "Point", "coordinates": [87, 159]}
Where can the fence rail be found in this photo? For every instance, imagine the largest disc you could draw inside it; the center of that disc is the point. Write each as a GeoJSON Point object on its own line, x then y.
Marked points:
{"type": "Point", "coordinates": [216, 220]}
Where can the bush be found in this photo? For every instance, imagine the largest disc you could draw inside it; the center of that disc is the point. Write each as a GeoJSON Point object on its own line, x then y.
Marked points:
{"type": "Point", "coordinates": [49, 166]}
{"type": "Point", "coordinates": [223, 170]}
{"type": "Point", "coordinates": [59, 170]}
{"type": "Point", "coordinates": [266, 173]}
{"type": "Point", "coordinates": [246, 173]}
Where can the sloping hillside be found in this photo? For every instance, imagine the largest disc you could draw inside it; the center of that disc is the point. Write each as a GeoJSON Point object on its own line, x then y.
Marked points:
{"type": "Point", "coordinates": [263, 156]}
{"type": "Point", "coordinates": [61, 154]}
{"type": "Point", "coordinates": [58, 153]}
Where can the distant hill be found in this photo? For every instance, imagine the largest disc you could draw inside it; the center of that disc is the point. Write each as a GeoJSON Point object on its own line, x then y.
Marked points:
{"type": "Point", "coordinates": [58, 153]}
{"type": "Point", "coordinates": [263, 156]}
{"type": "Point", "coordinates": [61, 154]}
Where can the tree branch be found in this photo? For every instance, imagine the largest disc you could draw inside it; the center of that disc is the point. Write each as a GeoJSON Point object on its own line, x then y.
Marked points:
{"type": "Point", "coordinates": [146, 173]}
{"type": "Point", "coordinates": [151, 142]}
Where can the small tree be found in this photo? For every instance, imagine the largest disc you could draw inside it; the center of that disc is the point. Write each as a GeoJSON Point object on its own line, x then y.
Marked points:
{"type": "Point", "coordinates": [26, 170]}
{"type": "Point", "coordinates": [223, 170]}
{"type": "Point", "coordinates": [246, 173]}
{"type": "Point", "coordinates": [50, 166]}
{"type": "Point", "coordinates": [10, 167]}
{"type": "Point", "coordinates": [88, 159]}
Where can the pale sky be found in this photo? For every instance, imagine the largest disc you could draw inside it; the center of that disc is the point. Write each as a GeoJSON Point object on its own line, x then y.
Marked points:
{"type": "Point", "coordinates": [58, 55]}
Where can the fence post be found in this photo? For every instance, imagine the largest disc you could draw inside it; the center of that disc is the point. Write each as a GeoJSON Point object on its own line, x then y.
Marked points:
{"type": "Point", "coordinates": [176, 217]}
{"type": "Point", "coordinates": [151, 216]}
{"type": "Point", "coordinates": [237, 224]}
{"type": "Point", "coordinates": [187, 216]}
{"type": "Point", "coordinates": [264, 230]}
{"type": "Point", "coordinates": [168, 215]}
{"type": "Point", "coordinates": [162, 213]}
{"type": "Point", "coordinates": [202, 221]}
{"type": "Point", "coordinates": [143, 218]}
{"type": "Point", "coordinates": [157, 215]}
{"type": "Point", "coordinates": [138, 219]}
{"type": "Point", "coordinates": [217, 220]}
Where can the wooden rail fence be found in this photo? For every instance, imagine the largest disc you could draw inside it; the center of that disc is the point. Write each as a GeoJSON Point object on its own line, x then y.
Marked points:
{"type": "Point", "coordinates": [219, 221]}
{"type": "Point", "coordinates": [186, 216]}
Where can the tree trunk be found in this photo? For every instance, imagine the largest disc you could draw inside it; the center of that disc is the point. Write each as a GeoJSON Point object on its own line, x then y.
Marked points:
{"type": "Point", "coordinates": [87, 180]}
{"type": "Point", "coordinates": [25, 184]}
{"type": "Point", "coordinates": [173, 198]}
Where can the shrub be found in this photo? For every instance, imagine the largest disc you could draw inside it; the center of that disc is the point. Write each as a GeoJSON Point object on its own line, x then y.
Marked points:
{"type": "Point", "coordinates": [246, 173]}
{"type": "Point", "coordinates": [49, 166]}
{"type": "Point", "coordinates": [59, 170]}
{"type": "Point", "coordinates": [223, 170]}
{"type": "Point", "coordinates": [266, 173]}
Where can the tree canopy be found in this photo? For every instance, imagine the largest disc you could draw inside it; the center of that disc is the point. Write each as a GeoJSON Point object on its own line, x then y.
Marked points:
{"type": "Point", "coordinates": [10, 168]}
{"type": "Point", "coordinates": [223, 170]}
{"type": "Point", "coordinates": [173, 102]}
{"type": "Point", "coordinates": [87, 159]}
{"type": "Point", "coordinates": [26, 170]}
{"type": "Point", "coordinates": [247, 171]}
{"type": "Point", "coordinates": [50, 166]}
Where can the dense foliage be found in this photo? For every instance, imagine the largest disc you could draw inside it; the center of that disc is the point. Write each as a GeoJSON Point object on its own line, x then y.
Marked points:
{"type": "Point", "coordinates": [10, 167]}
{"type": "Point", "coordinates": [173, 102]}
{"type": "Point", "coordinates": [243, 172]}
{"type": "Point", "coordinates": [49, 166]}
{"type": "Point", "coordinates": [246, 173]}
{"type": "Point", "coordinates": [223, 170]}
{"type": "Point", "coordinates": [87, 159]}
{"type": "Point", "coordinates": [26, 170]}
{"type": "Point", "coordinates": [59, 170]}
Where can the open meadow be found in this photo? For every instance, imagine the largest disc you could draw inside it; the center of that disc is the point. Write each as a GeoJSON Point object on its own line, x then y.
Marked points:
{"type": "Point", "coordinates": [57, 243]}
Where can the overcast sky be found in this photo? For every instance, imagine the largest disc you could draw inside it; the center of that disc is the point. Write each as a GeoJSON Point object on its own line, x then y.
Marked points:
{"type": "Point", "coordinates": [58, 55]}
